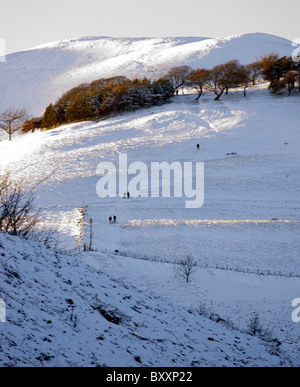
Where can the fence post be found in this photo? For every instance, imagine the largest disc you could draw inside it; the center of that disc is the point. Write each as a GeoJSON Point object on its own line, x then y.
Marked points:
{"type": "Point", "coordinates": [91, 234]}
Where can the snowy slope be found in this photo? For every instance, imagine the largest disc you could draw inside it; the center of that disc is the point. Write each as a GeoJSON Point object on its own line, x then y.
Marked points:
{"type": "Point", "coordinates": [249, 222]}
{"type": "Point", "coordinates": [36, 77]}
{"type": "Point", "coordinates": [242, 194]}
{"type": "Point", "coordinates": [62, 313]}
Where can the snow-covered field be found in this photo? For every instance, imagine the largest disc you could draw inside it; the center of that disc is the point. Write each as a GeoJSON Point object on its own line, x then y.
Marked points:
{"type": "Point", "coordinates": [249, 224]}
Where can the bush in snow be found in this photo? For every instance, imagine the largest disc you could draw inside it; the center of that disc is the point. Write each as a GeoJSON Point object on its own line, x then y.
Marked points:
{"type": "Point", "coordinates": [32, 124]}
{"type": "Point", "coordinates": [18, 215]}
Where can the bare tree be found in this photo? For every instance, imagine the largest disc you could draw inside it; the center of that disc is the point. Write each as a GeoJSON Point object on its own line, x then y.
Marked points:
{"type": "Point", "coordinates": [291, 78]}
{"type": "Point", "coordinates": [241, 78]}
{"type": "Point", "coordinates": [199, 78]}
{"type": "Point", "coordinates": [178, 76]}
{"type": "Point", "coordinates": [185, 268]}
{"type": "Point", "coordinates": [255, 70]}
{"type": "Point", "coordinates": [12, 120]}
{"type": "Point", "coordinates": [216, 84]}
{"type": "Point", "coordinates": [228, 76]}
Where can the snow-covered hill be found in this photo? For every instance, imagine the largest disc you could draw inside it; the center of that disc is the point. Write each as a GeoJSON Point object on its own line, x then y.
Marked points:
{"type": "Point", "coordinates": [36, 77]}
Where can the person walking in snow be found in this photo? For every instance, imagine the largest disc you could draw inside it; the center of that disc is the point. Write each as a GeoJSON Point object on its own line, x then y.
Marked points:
{"type": "Point", "coordinates": [110, 219]}
{"type": "Point", "coordinates": [115, 219]}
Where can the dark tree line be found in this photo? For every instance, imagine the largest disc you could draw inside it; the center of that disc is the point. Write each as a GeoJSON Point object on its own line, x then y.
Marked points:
{"type": "Point", "coordinates": [104, 97]}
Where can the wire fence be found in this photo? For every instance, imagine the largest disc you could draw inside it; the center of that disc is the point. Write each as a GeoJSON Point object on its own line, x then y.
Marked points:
{"type": "Point", "coordinates": [216, 266]}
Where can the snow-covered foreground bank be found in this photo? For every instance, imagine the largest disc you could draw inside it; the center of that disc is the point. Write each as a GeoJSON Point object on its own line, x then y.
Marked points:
{"type": "Point", "coordinates": [61, 312]}
{"type": "Point", "coordinates": [249, 220]}
{"type": "Point", "coordinates": [234, 296]}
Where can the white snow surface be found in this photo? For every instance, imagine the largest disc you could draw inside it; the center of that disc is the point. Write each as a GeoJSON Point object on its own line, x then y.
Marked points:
{"type": "Point", "coordinates": [245, 240]}
{"type": "Point", "coordinates": [34, 78]}
{"type": "Point", "coordinates": [54, 304]}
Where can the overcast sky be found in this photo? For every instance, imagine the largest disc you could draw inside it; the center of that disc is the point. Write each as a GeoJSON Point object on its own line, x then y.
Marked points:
{"type": "Point", "coordinates": [27, 23]}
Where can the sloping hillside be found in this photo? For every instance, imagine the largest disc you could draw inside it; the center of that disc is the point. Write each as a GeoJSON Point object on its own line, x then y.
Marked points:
{"type": "Point", "coordinates": [36, 77]}
{"type": "Point", "coordinates": [245, 238]}
{"type": "Point", "coordinates": [60, 312]}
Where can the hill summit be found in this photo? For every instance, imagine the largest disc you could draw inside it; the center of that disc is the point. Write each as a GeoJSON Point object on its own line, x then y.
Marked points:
{"type": "Point", "coordinates": [33, 78]}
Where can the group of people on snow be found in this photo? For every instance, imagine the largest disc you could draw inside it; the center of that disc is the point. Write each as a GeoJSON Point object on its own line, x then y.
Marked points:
{"type": "Point", "coordinates": [112, 219]}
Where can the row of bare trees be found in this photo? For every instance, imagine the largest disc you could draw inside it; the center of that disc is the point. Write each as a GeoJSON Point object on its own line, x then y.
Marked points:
{"type": "Point", "coordinates": [282, 73]}
{"type": "Point", "coordinates": [218, 80]}
{"type": "Point", "coordinates": [120, 94]}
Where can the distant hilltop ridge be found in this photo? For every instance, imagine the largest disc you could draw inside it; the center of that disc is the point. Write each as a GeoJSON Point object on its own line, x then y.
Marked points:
{"type": "Point", "coordinates": [179, 39]}
{"type": "Point", "coordinates": [35, 77]}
